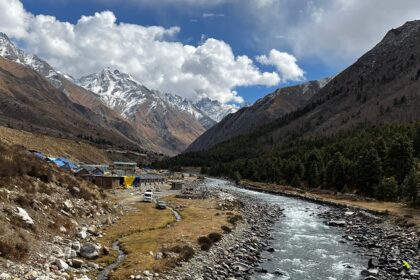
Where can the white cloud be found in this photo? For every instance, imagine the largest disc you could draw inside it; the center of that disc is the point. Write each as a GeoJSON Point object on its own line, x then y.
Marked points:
{"type": "Point", "coordinates": [285, 63]}
{"type": "Point", "coordinates": [150, 54]}
{"type": "Point", "coordinates": [212, 15]}
{"type": "Point", "coordinates": [335, 31]}
{"type": "Point", "coordinates": [13, 19]}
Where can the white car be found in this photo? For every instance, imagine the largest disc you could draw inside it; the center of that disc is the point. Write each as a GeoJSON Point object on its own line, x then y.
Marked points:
{"type": "Point", "coordinates": [148, 196]}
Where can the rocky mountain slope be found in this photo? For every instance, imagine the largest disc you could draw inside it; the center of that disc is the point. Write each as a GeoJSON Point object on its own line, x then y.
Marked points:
{"type": "Point", "coordinates": [167, 121]}
{"type": "Point", "coordinates": [382, 86]}
{"type": "Point", "coordinates": [262, 112]}
{"type": "Point", "coordinates": [29, 102]}
{"type": "Point", "coordinates": [49, 219]}
{"type": "Point", "coordinates": [64, 83]}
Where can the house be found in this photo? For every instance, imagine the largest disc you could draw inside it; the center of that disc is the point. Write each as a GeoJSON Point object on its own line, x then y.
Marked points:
{"type": "Point", "coordinates": [98, 169]}
{"type": "Point", "coordinates": [105, 182]}
{"type": "Point", "coordinates": [176, 185]}
{"type": "Point", "coordinates": [121, 168]}
{"type": "Point", "coordinates": [80, 172]}
{"type": "Point", "coordinates": [151, 179]}
{"type": "Point", "coordinates": [63, 163]}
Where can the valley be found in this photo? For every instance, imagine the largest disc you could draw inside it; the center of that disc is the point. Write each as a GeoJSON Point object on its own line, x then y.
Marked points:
{"type": "Point", "coordinates": [283, 146]}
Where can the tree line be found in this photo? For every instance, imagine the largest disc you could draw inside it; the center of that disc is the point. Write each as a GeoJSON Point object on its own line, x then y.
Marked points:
{"type": "Point", "coordinates": [375, 161]}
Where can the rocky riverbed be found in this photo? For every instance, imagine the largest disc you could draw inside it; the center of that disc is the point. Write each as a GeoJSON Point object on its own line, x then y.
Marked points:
{"type": "Point", "coordinates": [393, 250]}
{"type": "Point", "coordinates": [238, 254]}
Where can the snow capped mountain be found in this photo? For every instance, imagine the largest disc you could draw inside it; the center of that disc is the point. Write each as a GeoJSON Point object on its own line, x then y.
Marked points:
{"type": "Point", "coordinates": [123, 93]}
{"type": "Point", "coordinates": [214, 109]}
{"type": "Point", "coordinates": [9, 51]}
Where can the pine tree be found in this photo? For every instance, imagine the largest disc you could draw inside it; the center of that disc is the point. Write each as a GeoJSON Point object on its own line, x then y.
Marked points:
{"type": "Point", "coordinates": [417, 141]}
{"type": "Point", "coordinates": [296, 183]}
{"type": "Point", "coordinates": [237, 177]}
{"type": "Point", "coordinates": [313, 175]}
{"type": "Point", "coordinates": [339, 172]}
{"type": "Point", "coordinates": [387, 189]}
{"type": "Point", "coordinates": [370, 171]}
{"type": "Point", "coordinates": [411, 186]}
{"type": "Point", "coordinates": [400, 158]}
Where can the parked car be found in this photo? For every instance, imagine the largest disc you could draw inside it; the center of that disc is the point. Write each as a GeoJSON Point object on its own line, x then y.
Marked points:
{"type": "Point", "coordinates": [148, 196]}
{"type": "Point", "coordinates": [160, 204]}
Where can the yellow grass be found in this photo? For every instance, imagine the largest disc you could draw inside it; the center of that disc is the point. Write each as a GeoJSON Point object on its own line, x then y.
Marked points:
{"type": "Point", "coordinates": [149, 230]}
{"type": "Point", "coordinates": [52, 146]}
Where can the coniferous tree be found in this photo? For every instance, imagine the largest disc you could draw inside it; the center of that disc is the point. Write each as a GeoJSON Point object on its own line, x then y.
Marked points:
{"type": "Point", "coordinates": [387, 189]}
{"type": "Point", "coordinates": [237, 177]}
{"type": "Point", "coordinates": [417, 141]}
{"type": "Point", "coordinates": [313, 175]}
{"type": "Point", "coordinates": [411, 186]}
{"type": "Point", "coordinates": [370, 171]}
{"type": "Point", "coordinates": [400, 158]}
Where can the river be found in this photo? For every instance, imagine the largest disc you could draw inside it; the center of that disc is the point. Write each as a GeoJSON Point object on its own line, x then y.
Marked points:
{"type": "Point", "coordinates": [305, 248]}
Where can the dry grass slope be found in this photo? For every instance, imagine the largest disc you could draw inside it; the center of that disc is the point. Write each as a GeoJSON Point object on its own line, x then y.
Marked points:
{"type": "Point", "coordinates": [72, 149]}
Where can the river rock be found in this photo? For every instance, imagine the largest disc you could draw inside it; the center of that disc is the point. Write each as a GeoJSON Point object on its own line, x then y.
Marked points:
{"type": "Point", "coordinates": [89, 250]}
{"type": "Point", "coordinates": [62, 265]}
{"type": "Point", "coordinates": [336, 223]}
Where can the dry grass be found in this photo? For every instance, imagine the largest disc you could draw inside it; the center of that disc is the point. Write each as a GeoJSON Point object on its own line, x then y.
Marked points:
{"type": "Point", "coordinates": [150, 230]}
{"type": "Point", "coordinates": [72, 149]}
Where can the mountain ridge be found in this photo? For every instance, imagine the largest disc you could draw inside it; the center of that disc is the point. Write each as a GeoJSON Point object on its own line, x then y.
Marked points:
{"type": "Point", "coordinates": [263, 111]}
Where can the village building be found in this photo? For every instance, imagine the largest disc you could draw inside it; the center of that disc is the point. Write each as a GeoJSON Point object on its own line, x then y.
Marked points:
{"type": "Point", "coordinates": [123, 168]}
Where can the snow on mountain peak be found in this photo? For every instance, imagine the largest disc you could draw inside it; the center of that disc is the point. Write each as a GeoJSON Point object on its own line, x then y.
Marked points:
{"type": "Point", "coordinates": [9, 51]}
{"type": "Point", "coordinates": [124, 93]}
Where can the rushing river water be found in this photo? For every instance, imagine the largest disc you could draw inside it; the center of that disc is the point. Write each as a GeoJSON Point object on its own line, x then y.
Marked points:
{"type": "Point", "coordinates": [305, 248]}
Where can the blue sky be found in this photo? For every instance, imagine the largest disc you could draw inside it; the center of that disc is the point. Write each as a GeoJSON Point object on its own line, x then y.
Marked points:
{"type": "Point", "coordinates": [319, 37]}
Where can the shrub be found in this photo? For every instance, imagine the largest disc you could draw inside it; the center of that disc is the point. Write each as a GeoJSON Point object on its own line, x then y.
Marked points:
{"type": "Point", "coordinates": [205, 243]}
{"type": "Point", "coordinates": [234, 219]}
{"type": "Point", "coordinates": [215, 237]}
{"type": "Point", "coordinates": [13, 250]}
{"type": "Point", "coordinates": [226, 229]}
{"type": "Point", "coordinates": [206, 247]}
{"type": "Point", "coordinates": [185, 252]}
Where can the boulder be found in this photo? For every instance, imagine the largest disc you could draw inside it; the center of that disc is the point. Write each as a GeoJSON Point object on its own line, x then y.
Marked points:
{"type": "Point", "coordinates": [24, 216]}
{"type": "Point", "coordinates": [68, 204]}
{"type": "Point", "coordinates": [77, 263]}
{"type": "Point", "coordinates": [62, 265]}
{"type": "Point", "coordinates": [89, 250]}
{"type": "Point", "coordinates": [336, 223]}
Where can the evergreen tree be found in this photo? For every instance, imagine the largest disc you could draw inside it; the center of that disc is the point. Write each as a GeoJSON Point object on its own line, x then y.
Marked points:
{"type": "Point", "coordinates": [237, 177]}
{"type": "Point", "coordinates": [411, 186]}
{"type": "Point", "coordinates": [369, 172]}
{"type": "Point", "coordinates": [338, 173]}
{"type": "Point", "coordinates": [313, 175]}
{"type": "Point", "coordinates": [400, 158]}
{"type": "Point", "coordinates": [417, 141]}
{"type": "Point", "coordinates": [387, 189]}
{"type": "Point", "coordinates": [296, 183]}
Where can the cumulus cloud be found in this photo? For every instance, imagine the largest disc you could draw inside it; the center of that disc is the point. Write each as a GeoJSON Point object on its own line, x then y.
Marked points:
{"type": "Point", "coordinates": [334, 31]}
{"type": "Point", "coordinates": [285, 64]}
{"type": "Point", "coordinates": [150, 54]}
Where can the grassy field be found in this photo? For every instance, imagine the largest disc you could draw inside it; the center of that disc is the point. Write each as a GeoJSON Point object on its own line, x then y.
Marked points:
{"type": "Point", "coordinates": [72, 149]}
{"type": "Point", "coordinates": [146, 231]}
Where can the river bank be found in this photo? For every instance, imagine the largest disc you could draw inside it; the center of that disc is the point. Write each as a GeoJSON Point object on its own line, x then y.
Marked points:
{"type": "Point", "coordinates": [403, 215]}
{"type": "Point", "coordinates": [238, 254]}
{"type": "Point", "coordinates": [392, 246]}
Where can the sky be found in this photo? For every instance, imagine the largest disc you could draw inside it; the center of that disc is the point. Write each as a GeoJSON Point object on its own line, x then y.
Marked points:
{"type": "Point", "coordinates": [232, 51]}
